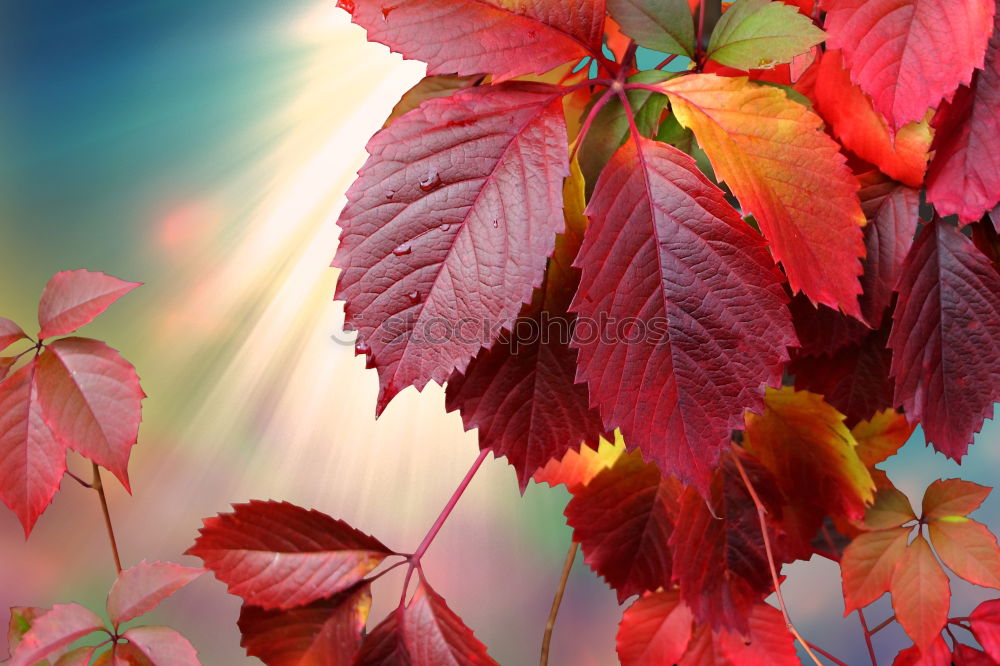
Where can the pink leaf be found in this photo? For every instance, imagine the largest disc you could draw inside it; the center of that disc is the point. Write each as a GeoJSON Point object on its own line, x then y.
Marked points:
{"type": "Point", "coordinates": [505, 39]}
{"type": "Point", "coordinates": [964, 177]}
{"type": "Point", "coordinates": [985, 622]}
{"type": "Point", "coordinates": [78, 657]}
{"type": "Point", "coordinates": [72, 299]}
{"type": "Point", "coordinates": [141, 588]}
{"type": "Point", "coordinates": [443, 239]}
{"type": "Point", "coordinates": [278, 555]}
{"type": "Point", "coordinates": [163, 646]}
{"type": "Point", "coordinates": [92, 400]}
{"type": "Point", "coordinates": [53, 631]}
{"type": "Point", "coordinates": [654, 630]}
{"type": "Point", "coordinates": [946, 338]}
{"type": "Point", "coordinates": [32, 459]}
{"type": "Point", "coordinates": [696, 307]}
{"type": "Point", "coordinates": [936, 654]}
{"type": "Point", "coordinates": [9, 333]}
{"type": "Point", "coordinates": [908, 54]}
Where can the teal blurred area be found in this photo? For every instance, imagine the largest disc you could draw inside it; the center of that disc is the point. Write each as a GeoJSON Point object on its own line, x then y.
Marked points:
{"type": "Point", "coordinates": [204, 148]}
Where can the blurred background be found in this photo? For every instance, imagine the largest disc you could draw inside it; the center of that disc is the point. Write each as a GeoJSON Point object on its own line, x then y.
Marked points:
{"type": "Point", "coordinates": [204, 148]}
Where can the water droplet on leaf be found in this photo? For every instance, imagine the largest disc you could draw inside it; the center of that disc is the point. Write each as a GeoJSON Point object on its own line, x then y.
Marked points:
{"type": "Point", "coordinates": [402, 249]}
{"type": "Point", "coordinates": [496, 224]}
{"type": "Point", "coordinates": [390, 194]}
{"type": "Point", "coordinates": [414, 297]}
{"type": "Point", "coordinates": [430, 181]}
{"type": "Point", "coordinates": [445, 227]}
{"type": "Point", "coordinates": [361, 347]}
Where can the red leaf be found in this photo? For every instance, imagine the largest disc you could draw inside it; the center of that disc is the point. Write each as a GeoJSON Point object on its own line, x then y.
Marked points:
{"type": "Point", "coordinates": [936, 655]}
{"type": "Point", "coordinates": [6, 363]}
{"type": "Point", "coordinates": [696, 306]}
{"type": "Point", "coordinates": [868, 565]}
{"type": "Point", "coordinates": [823, 331]}
{"type": "Point", "coordinates": [952, 497]}
{"type": "Point", "coordinates": [892, 211]}
{"type": "Point", "coordinates": [921, 594]}
{"type": "Point", "coordinates": [326, 632]}
{"type": "Point", "coordinates": [92, 400]}
{"type": "Point", "coordinates": [769, 642]}
{"type": "Point", "coordinates": [72, 299]}
{"type": "Point", "coordinates": [863, 130]}
{"type": "Point", "coordinates": [141, 588]}
{"type": "Point", "coordinates": [719, 561]}
{"type": "Point", "coordinates": [32, 459]}
{"type": "Point", "coordinates": [855, 379]}
{"type": "Point", "coordinates": [785, 172]}
{"type": "Point", "coordinates": [79, 657]}
{"type": "Point", "coordinates": [278, 555]}
{"type": "Point", "coordinates": [53, 631]}
{"type": "Point", "coordinates": [908, 54]}
{"type": "Point", "coordinates": [21, 618]}
{"type": "Point", "coordinates": [806, 446]}
{"type": "Point", "coordinates": [623, 519]}
{"type": "Point", "coordinates": [967, 656]}
{"type": "Point", "coordinates": [521, 395]}
{"type": "Point", "coordinates": [968, 548]}
{"type": "Point", "coordinates": [423, 633]}
{"type": "Point", "coordinates": [964, 177]}
{"type": "Point", "coordinates": [9, 333]}
{"type": "Point", "coordinates": [654, 630]}
{"type": "Point", "coordinates": [162, 645]}
{"type": "Point", "coordinates": [431, 87]}
{"type": "Point", "coordinates": [891, 509]}
{"type": "Point", "coordinates": [946, 338]}
{"type": "Point", "coordinates": [442, 242]}
{"type": "Point", "coordinates": [484, 36]}
{"type": "Point", "coordinates": [985, 623]}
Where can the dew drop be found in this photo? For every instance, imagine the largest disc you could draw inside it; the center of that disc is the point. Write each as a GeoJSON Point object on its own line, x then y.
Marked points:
{"type": "Point", "coordinates": [385, 12]}
{"type": "Point", "coordinates": [346, 5]}
{"type": "Point", "coordinates": [403, 249]}
{"type": "Point", "coordinates": [413, 296]}
{"type": "Point", "coordinates": [430, 181]}
{"type": "Point", "coordinates": [362, 347]}
{"type": "Point", "coordinates": [445, 227]}
{"type": "Point", "coordinates": [496, 224]}
{"type": "Point", "coordinates": [389, 194]}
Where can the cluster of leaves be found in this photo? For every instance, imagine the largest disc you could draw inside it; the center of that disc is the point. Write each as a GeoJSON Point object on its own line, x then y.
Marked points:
{"type": "Point", "coordinates": [73, 392]}
{"type": "Point", "coordinates": [41, 636]}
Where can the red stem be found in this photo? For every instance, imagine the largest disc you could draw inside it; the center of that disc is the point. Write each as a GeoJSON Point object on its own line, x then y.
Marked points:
{"type": "Point", "coordinates": [701, 28]}
{"type": "Point", "coordinates": [824, 653]}
{"type": "Point", "coordinates": [98, 485]}
{"type": "Point", "coordinates": [594, 110]}
{"type": "Point", "coordinates": [666, 62]}
{"type": "Point", "coordinates": [414, 559]}
{"type": "Point", "coordinates": [868, 637]}
{"type": "Point", "coordinates": [883, 625]}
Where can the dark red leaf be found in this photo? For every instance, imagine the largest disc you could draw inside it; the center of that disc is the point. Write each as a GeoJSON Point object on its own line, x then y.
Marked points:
{"type": "Point", "coordinates": [520, 393]}
{"type": "Point", "coordinates": [53, 631]}
{"type": "Point", "coordinates": [9, 333]}
{"type": "Point", "coordinates": [921, 594]}
{"type": "Point", "coordinates": [946, 338]}
{"type": "Point", "coordinates": [623, 519]}
{"type": "Point", "coordinates": [72, 299]}
{"type": "Point", "coordinates": [935, 655]}
{"type": "Point", "coordinates": [278, 555]}
{"type": "Point", "coordinates": [969, 656]}
{"type": "Point", "coordinates": [821, 330]}
{"type": "Point", "coordinates": [719, 560]}
{"type": "Point", "coordinates": [964, 177]}
{"type": "Point", "coordinates": [908, 54]}
{"type": "Point", "coordinates": [442, 239]}
{"type": "Point", "coordinates": [141, 588]}
{"type": "Point", "coordinates": [423, 633]}
{"type": "Point", "coordinates": [484, 36]}
{"type": "Point", "coordinates": [326, 632]}
{"type": "Point", "coordinates": [654, 630]}
{"type": "Point", "coordinates": [32, 459]}
{"type": "Point", "coordinates": [892, 211]}
{"type": "Point", "coordinates": [92, 400]}
{"type": "Point", "coordinates": [162, 646]}
{"type": "Point", "coordinates": [985, 623]}
{"type": "Point", "coordinates": [695, 323]}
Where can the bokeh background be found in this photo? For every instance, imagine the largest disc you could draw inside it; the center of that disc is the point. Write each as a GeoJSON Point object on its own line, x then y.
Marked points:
{"type": "Point", "coordinates": [204, 148]}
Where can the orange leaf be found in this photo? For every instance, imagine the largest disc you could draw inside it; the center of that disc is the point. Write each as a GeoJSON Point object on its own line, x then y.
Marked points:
{"type": "Point", "coordinates": [891, 509]}
{"type": "Point", "coordinates": [787, 173]}
{"type": "Point", "coordinates": [968, 548]}
{"type": "Point", "coordinates": [881, 436]}
{"type": "Point", "coordinates": [921, 594]}
{"type": "Point", "coordinates": [868, 565]}
{"type": "Point", "coordinates": [952, 497]}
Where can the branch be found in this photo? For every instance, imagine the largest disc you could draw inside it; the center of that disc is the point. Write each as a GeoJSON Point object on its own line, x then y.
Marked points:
{"type": "Point", "coordinates": [761, 513]}
{"type": "Point", "coordinates": [868, 637]}
{"type": "Point", "coordinates": [98, 485]}
{"type": "Point", "coordinates": [883, 625]}
{"type": "Point", "coordinates": [547, 637]}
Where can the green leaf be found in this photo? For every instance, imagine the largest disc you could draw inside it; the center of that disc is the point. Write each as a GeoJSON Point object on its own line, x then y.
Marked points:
{"type": "Point", "coordinates": [759, 34]}
{"type": "Point", "coordinates": [662, 25]}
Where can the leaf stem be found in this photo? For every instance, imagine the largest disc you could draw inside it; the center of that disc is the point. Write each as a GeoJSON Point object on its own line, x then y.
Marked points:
{"type": "Point", "coordinates": [78, 479]}
{"type": "Point", "coordinates": [547, 636]}
{"type": "Point", "coordinates": [594, 110]}
{"type": "Point", "coordinates": [761, 513]}
{"type": "Point", "coordinates": [98, 485]}
{"type": "Point", "coordinates": [701, 30]}
{"type": "Point", "coordinates": [824, 653]}
{"type": "Point", "coordinates": [669, 59]}
{"type": "Point", "coordinates": [414, 559]}
{"type": "Point", "coordinates": [883, 625]}
{"type": "Point", "coordinates": [868, 636]}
